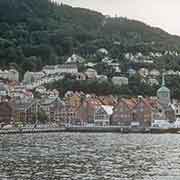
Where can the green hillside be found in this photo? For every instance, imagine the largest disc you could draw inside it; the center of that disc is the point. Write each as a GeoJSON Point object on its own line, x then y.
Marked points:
{"type": "Point", "coordinates": [38, 32]}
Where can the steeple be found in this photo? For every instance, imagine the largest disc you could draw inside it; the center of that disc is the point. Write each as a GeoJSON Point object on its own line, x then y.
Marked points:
{"type": "Point", "coordinates": [163, 80]}
{"type": "Point", "coordinates": [163, 92]}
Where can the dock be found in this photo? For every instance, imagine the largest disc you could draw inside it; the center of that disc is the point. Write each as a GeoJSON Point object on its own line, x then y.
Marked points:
{"type": "Point", "coordinates": [31, 130]}
{"type": "Point", "coordinates": [109, 129]}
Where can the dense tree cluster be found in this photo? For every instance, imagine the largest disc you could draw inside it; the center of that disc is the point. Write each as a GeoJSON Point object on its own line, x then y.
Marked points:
{"type": "Point", "coordinates": [34, 33]}
{"type": "Point", "coordinates": [135, 87]}
{"type": "Point", "coordinates": [38, 32]}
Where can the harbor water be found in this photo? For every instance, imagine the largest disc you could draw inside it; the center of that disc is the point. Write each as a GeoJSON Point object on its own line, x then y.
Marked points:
{"type": "Point", "coordinates": [90, 156]}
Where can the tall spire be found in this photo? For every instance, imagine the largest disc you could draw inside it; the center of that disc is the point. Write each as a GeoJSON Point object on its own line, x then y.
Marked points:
{"type": "Point", "coordinates": [163, 79]}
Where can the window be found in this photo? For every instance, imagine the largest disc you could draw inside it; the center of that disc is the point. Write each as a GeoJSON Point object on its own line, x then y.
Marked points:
{"type": "Point", "coordinates": [141, 109]}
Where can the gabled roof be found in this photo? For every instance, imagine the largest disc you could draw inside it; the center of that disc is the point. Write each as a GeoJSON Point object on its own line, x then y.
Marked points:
{"type": "Point", "coordinates": [108, 109]}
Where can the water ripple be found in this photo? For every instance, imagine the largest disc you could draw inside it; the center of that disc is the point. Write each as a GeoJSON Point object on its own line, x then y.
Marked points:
{"type": "Point", "coordinates": [80, 156]}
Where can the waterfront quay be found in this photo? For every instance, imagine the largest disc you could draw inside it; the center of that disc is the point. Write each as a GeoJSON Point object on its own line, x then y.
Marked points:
{"type": "Point", "coordinates": [95, 129]}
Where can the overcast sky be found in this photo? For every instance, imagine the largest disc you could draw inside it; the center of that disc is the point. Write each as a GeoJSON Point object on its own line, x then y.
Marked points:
{"type": "Point", "coordinates": [161, 13]}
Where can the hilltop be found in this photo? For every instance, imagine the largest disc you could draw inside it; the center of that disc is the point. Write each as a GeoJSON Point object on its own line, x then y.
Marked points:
{"type": "Point", "coordinates": [38, 32]}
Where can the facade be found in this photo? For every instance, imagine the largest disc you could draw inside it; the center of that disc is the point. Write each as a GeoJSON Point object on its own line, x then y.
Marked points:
{"type": "Point", "coordinates": [91, 73]}
{"type": "Point", "coordinates": [131, 72]}
{"type": "Point", "coordinates": [73, 100]}
{"type": "Point", "coordinates": [49, 69]}
{"type": "Point", "coordinates": [3, 90]}
{"type": "Point", "coordinates": [163, 94]}
{"type": "Point", "coordinates": [47, 103]}
{"type": "Point", "coordinates": [75, 59]}
{"type": "Point", "coordinates": [67, 68]}
{"type": "Point", "coordinates": [120, 80]}
{"type": "Point", "coordinates": [153, 81]}
{"type": "Point", "coordinates": [176, 105]}
{"type": "Point", "coordinates": [3, 74]}
{"type": "Point", "coordinates": [143, 72]}
{"type": "Point", "coordinates": [28, 78]}
{"type": "Point", "coordinates": [80, 76]}
{"type": "Point", "coordinates": [102, 115]}
{"type": "Point", "coordinates": [25, 112]}
{"type": "Point", "coordinates": [142, 113]}
{"type": "Point", "coordinates": [64, 68]}
{"type": "Point", "coordinates": [123, 113]}
{"type": "Point", "coordinates": [6, 113]}
{"type": "Point", "coordinates": [154, 73]}
{"type": "Point", "coordinates": [13, 75]}
{"type": "Point", "coordinates": [103, 51]}
{"type": "Point", "coordinates": [108, 100]}
{"type": "Point", "coordinates": [87, 109]}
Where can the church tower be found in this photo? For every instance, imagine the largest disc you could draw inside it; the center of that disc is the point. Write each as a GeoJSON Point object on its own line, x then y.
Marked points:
{"type": "Point", "coordinates": [163, 93]}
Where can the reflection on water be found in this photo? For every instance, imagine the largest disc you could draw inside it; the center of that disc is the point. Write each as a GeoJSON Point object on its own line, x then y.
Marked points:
{"type": "Point", "coordinates": [80, 156]}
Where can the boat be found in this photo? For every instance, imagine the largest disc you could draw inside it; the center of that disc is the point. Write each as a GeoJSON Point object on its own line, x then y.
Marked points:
{"type": "Point", "coordinates": [165, 126]}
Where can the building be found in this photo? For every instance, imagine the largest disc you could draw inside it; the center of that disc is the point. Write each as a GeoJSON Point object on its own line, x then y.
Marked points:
{"type": "Point", "coordinates": [108, 100]}
{"type": "Point", "coordinates": [49, 69]}
{"type": "Point", "coordinates": [154, 73]}
{"type": "Point", "coordinates": [176, 105]}
{"type": "Point", "coordinates": [73, 99]}
{"type": "Point", "coordinates": [123, 112]}
{"type": "Point", "coordinates": [80, 76]}
{"type": "Point", "coordinates": [164, 98]}
{"type": "Point", "coordinates": [13, 75]}
{"type": "Point", "coordinates": [103, 51]}
{"type": "Point", "coordinates": [143, 72]}
{"type": "Point", "coordinates": [131, 72]}
{"type": "Point", "coordinates": [67, 68]}
{"type": "Point", "coordinates": [102, 115]}
{"type": "Point", "coordinates": [28, 78]}
{"type": "Point", "coordinates": [75, 59]}
{"type": "Point", "coordinates": [4, 91]}
{"type": "Point", "coordinates": [117, 80]}
{"type": "Point", "coordinates": [6, 113]}
{"type": "Point", "coordinates": [87, 109]}
{"type": "Point", "coordinates": [152, 82]}
{"type": "Point", "coordinates": [163, 94]}
{"type": "Point", "coordinates": [91, 73]}
{"type": "Point", "coordinates": [26, 112]}
{"type": "Point", "coordinates": [58, 113]}
{"type": "Point", "coordinates": [3, 74]}
{"type": "Point", "coordinates": [142, 113]}
{"type": "Point", "coordinates": [47, 103]}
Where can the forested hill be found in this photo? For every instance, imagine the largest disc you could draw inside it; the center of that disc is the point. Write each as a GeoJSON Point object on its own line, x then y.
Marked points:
{"type": "Point", "coordinates": [38, 32]}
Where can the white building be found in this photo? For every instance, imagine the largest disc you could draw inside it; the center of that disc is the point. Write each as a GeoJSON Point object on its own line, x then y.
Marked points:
{"type": "Point", "coordinates": [102, 115]}
{"type": "Point", "coordinates": [64, 68]}
{"type": "Point", "coordinates": [67, 68]}
{"type": "Point", "coordinates": [75, 59]}
{"type": "Point", "coordinates": [38, 75]}
{"type": "Point", "coordinates": [49, 69]}
{"type": "Point", "coordinates": [131, 72]}
{"type": "Point", "coordinates": [28, 78]}
{"type": "Point", "coordinates": [91, 73]}
{"type": "Point", "coordinates": [152, 82]}
{"type": "Point", "coordinates": [13, 75]}
{"type": "Point", "coordinates": [4, 91]}
{"type": "Point", "coordinates": [143, 72]}
{"type": "Point", "coordinates": [176, 105]}
{"type": "Point", "coordinates": [117, 80]}
{"type": "Point", "coordinates": [3, 74]}
{"type": "Point", "coordinates": [154, 73]}
{"type": "Point", "coordinates": [103, 51]}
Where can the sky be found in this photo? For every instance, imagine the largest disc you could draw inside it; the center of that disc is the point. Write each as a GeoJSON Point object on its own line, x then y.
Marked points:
{"type": "Point", "coordinates": [159, 13]}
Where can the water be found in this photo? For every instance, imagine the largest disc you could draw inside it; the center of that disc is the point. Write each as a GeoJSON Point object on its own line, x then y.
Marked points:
{"type": "Point", "coordinates": [80, 156]}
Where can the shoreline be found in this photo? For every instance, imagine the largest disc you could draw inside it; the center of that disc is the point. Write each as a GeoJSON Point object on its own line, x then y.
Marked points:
{"type": "Point", "coordinates": [91, 130]}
